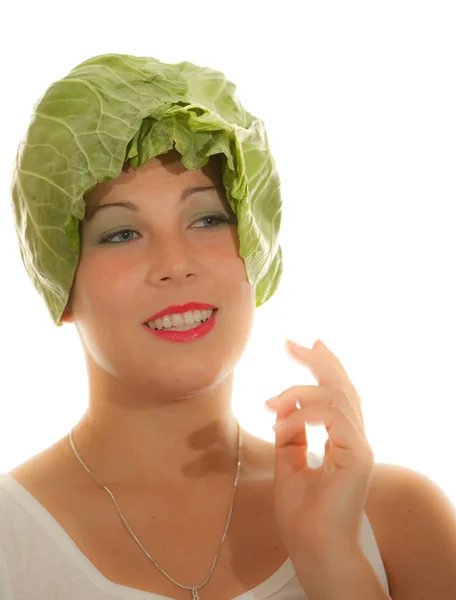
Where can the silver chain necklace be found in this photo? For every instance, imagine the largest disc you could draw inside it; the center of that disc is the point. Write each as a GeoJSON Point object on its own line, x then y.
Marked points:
{"type": "Point", "coordinates": [193, 588]}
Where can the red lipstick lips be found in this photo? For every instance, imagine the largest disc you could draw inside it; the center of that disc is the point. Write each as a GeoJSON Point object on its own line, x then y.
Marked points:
{"type": "Point", "coordinates": [183, 336]}
{"type": "Point", "coordinates": [179, 309]}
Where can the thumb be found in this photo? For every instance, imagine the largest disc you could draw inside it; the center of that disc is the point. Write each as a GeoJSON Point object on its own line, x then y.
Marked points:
{"type": "Point", "coordinates": [290, 452]}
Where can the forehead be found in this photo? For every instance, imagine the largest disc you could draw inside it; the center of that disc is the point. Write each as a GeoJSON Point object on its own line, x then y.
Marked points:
{"type": "Point", "coordinates": [163, 170]}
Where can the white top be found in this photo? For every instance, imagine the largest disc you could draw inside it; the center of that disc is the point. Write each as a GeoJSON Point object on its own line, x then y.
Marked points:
{"type": "Point", "coordinates": [39, 560]}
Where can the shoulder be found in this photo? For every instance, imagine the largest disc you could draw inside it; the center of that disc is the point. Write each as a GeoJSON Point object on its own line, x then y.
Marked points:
{"type": "Point", "coordinates": [50, 470]}
{"type": "Point", "coordinates": [414, 523]}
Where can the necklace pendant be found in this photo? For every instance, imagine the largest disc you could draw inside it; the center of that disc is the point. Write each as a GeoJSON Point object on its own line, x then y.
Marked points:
{"type": "Point", "coordinates": [195, 595]}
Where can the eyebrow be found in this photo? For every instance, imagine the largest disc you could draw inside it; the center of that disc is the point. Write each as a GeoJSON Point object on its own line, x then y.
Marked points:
{"type": "Point", "coordinates": [185, 194]}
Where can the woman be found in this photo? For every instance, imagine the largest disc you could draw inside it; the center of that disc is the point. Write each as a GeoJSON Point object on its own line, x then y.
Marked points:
{"type": "Point", "coordinates": [173, 217]}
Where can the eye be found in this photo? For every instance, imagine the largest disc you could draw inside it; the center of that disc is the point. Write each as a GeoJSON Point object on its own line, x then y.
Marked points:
{"type": "Point", "coordinates": [107, 239]}
{"type": "Point", "coordinates": [216, 221]}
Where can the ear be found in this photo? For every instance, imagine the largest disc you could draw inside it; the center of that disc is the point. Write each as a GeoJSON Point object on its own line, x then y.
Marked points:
{"type": "Point", "coordinates": [67, 315]}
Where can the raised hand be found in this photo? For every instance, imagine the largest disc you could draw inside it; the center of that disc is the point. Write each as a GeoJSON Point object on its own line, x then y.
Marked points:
{"type": "Point", "coordinates": [319, 511]}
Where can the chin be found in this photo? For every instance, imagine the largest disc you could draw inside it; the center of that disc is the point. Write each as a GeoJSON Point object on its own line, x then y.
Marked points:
{"type": "Point", "coordinates": [168, 368]}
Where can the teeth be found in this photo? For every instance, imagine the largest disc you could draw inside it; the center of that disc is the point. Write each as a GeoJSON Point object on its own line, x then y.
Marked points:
{"type": "Point", "coordinates": [177, 321]}
{"type": "Point", "coordinates": [188, 320]}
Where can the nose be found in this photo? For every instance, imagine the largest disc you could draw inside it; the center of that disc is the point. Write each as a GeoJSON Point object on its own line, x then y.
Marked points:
{"type": "Point", "coordinates": [174, 260]}
{"type": "Point", "coordinates": [178, 275]}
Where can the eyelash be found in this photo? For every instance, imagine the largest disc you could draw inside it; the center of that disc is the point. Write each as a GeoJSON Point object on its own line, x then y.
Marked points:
{"type": "Point", "coordinates": [223, 220]}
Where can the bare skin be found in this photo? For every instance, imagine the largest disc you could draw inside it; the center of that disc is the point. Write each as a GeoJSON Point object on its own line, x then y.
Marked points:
{"type": "Point", "coordinates": [172, 399]}
{"type": "Point", "coordinates": [181, 536]}
{"type": "Point", "coordinates": [159, 430]}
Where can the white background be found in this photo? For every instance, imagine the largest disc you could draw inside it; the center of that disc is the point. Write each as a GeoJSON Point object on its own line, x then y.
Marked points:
{"type": "Point", "coordinates": [359, 101]}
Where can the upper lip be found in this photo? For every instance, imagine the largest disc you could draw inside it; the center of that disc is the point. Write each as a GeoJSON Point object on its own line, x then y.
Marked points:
{"type": "Point", "coordinates": [179, 309]}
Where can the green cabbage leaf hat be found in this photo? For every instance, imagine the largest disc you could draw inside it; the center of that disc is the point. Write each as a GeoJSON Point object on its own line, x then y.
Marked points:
{"type": "Point", "coordinates": [117, 108]}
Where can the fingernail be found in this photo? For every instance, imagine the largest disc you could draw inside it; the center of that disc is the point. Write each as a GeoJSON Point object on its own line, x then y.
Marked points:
{"type": "Point", "coordinates": [272, 401]}
{"type": "Point", "coordinates": [294, 345]}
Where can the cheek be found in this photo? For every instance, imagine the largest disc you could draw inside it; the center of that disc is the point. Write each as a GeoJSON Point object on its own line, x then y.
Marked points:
{"type": "Point", "coordinates": [103, 280]}
{"type": "Point", "coordinates": [238, 271]}
{"type": "Point", "coordinates": [228, 268]}
{"type": "Point", "coordinates": [237, 292]}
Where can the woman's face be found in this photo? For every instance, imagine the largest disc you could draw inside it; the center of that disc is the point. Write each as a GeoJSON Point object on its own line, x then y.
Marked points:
{"type": "Point", "coordinates": [171, 254]}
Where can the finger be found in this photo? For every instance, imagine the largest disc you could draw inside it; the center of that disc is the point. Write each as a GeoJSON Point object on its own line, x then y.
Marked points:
{"type": "Point", "coordinates": [318, 349]}
{"type": "Point", "coordinates": [321, 347]}
{"type": "Point", "coordinates": [305, 394]}
{"type": "Point", "coordinates": [347, 386]}
{"type": "Point", "coordinates": [328, 371]}
{"type": "Point", "coordinates": [285, 408]}
{"type": "Point", "coordinates": [347, 444]}
{"type": "Point", "coordinates": [323, 364]}
{"type": "Point", "coordinates": [290, 450]}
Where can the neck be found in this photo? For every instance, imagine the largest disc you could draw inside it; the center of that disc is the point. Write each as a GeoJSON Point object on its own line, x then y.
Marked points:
{"type": "Point", "coordinates": [138, 455]}
{"type": "Point", "coordinates": [156, 440]}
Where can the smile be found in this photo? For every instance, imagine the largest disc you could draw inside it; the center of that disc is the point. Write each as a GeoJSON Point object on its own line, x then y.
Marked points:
{"type": "Point", "coordinates": [186, 332]}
